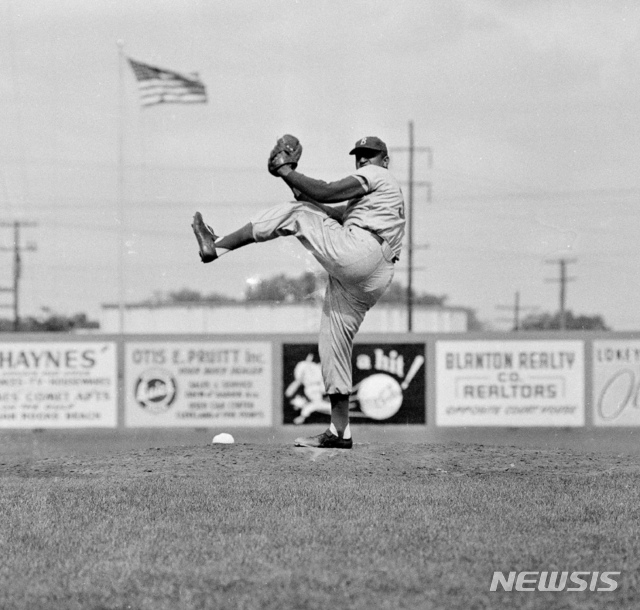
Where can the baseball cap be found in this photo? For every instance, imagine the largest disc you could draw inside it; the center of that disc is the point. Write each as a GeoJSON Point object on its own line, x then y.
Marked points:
{"type": "Point", "coordinates": [371, 143]}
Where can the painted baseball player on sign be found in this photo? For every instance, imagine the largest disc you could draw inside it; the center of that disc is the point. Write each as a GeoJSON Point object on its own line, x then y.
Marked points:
{"type": "Point", "coordinates": [354, 227]}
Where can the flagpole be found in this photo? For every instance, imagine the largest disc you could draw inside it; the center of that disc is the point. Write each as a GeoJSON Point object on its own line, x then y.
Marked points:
{"type": "Point", "coordinates": [121, 108]}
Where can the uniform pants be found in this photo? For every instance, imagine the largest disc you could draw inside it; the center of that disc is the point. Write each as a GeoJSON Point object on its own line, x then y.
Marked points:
{"type": "Point", "coordinates": [360, 270]}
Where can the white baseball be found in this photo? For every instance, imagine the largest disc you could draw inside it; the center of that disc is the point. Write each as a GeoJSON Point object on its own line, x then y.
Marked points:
{"type": "Point", "coordinates": [380, 396]}
{"type": "Point", "coordinates": [224, 438]}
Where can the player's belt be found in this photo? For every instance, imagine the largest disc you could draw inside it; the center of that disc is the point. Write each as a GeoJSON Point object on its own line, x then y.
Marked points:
{"type": "Point", "coordinates": [379, 239]}
{"type": "Point", "coordinates": [375, 235]}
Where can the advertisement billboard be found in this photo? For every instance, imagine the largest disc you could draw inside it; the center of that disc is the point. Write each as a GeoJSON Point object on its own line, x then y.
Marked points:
{"type": "Point", "coordinates": [389, 384]}
{"type": "Point", "coordinates": [510, 383]}
{"type": "Point", "coordinates": [616, 383]}
{"type": "Point", "coordinates": [198, 384]}
{"type": "Point", "coordinates": [58, 385]}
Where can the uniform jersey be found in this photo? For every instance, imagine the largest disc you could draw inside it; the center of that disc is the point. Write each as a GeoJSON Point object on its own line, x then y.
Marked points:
{"type": "Point", "coordinates": [381, 209]}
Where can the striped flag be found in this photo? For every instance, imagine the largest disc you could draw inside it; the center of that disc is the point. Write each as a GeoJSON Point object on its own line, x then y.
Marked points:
{"type": "Point", "coordinates": [159, 86]}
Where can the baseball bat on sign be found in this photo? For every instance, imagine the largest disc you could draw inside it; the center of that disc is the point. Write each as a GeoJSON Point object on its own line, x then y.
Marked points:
{"type": "Point", "coordinates": [415, 367]}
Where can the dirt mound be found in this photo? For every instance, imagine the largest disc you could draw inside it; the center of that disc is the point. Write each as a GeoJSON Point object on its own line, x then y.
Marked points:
{"type": "Point", "coordinates": [402, 460]}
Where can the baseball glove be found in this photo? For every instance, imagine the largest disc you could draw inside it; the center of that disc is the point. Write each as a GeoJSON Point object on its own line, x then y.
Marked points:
{"type": "Point", "coordinates": [287, 151]}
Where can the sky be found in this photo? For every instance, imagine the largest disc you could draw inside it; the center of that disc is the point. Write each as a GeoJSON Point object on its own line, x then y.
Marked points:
{"type": "Point", "coordinates": [531, 111]}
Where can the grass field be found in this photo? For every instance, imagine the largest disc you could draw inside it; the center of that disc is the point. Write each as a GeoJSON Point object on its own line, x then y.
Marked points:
{"type": "Point", "coordinates": [387, 525]}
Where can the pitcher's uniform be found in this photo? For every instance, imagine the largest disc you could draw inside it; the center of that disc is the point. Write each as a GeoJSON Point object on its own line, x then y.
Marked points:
{"type": "Point", "coordinates": [358, 255]}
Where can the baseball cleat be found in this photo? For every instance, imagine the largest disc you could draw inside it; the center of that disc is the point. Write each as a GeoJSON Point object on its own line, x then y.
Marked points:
{"type": "Point", "coordinates": [206, 238]}
{"type": "Point", "coordinates": [326, 440]}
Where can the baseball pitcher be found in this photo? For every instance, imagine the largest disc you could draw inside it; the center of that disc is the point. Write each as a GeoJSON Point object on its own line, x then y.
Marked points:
{"type": "Point", "coordinates": [354, 227]}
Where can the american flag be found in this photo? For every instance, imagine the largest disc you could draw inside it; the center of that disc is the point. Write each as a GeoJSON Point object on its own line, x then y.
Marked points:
{"type": "Point", "coordinates": [158, 86]}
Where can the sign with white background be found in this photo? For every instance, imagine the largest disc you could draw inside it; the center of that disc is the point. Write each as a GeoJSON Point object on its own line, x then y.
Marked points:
{"type": "Point", "coordinates": [198, 384]}
{"type": "Point", "coordinates": [58, 385]}
{"type": "Point", "coordinates": [510, 383]}
{"type": "Point", "coordinates": [616, 383]}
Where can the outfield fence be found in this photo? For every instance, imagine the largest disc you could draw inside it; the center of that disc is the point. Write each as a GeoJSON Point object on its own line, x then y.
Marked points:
{"type": "Point", "coordinates": [556, 380]}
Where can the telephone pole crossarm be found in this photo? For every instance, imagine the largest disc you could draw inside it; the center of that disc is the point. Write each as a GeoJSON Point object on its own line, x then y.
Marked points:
{"type": "Point", "coordinates": [426, 149]}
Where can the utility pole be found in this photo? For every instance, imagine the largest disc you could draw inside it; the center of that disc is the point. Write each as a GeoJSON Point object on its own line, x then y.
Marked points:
{"type": "Point", "coordinates": [517, 309]}
{"type": "Point", "coordinates": [562, 280]}
{"type": "Point", "coordinates": [17, 266]}
{"type": "Point", "coordinates": [412, 149]}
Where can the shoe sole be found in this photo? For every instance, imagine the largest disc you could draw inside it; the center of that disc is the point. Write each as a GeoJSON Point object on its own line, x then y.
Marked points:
{"type": "Point", "coordinates": [303, 444]}
{"type": "Point", "coordinates": [205, 239]}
